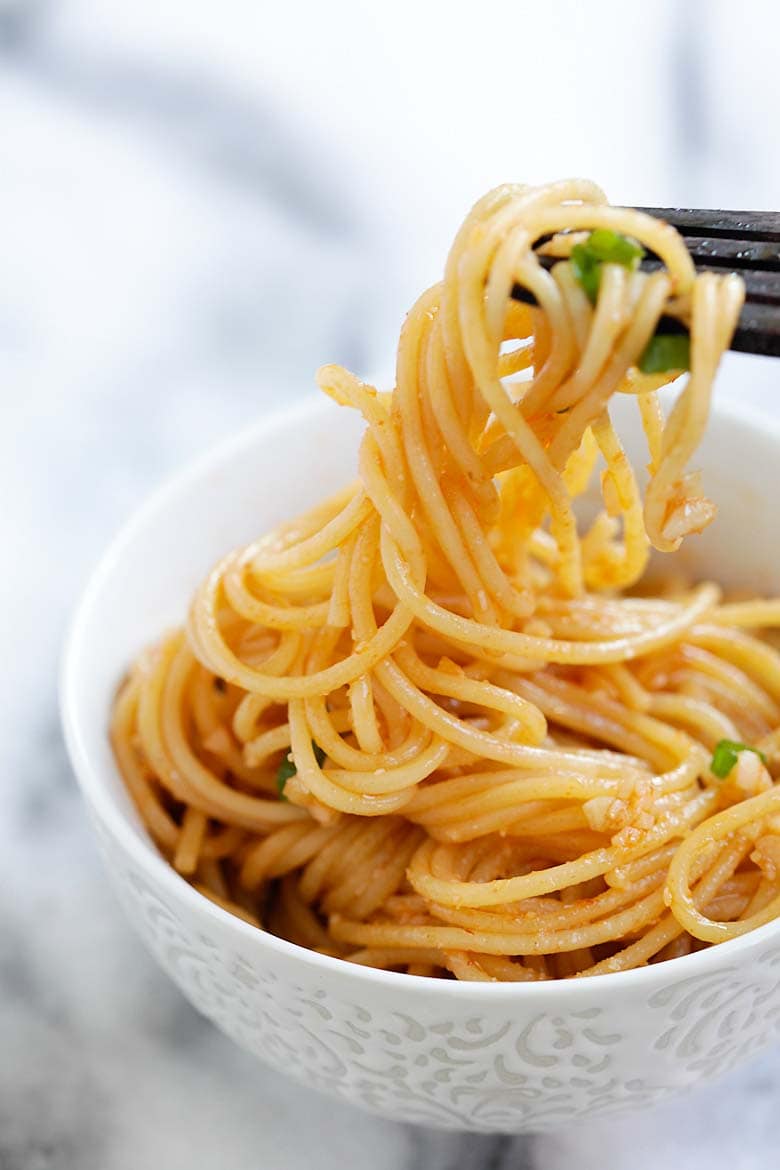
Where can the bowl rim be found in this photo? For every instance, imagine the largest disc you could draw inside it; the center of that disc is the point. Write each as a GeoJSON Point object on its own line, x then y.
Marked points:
{"type": "Point", "coordinates": [91, 777]}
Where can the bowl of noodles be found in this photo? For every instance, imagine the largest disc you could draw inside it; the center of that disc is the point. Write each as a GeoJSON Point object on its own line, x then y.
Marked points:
{"type": "Point", "coordinates": [432, 744]}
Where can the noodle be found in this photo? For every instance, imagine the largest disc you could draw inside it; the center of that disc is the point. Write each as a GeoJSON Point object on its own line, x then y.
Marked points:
{"type": "Point", "coordinates": [432, 725]}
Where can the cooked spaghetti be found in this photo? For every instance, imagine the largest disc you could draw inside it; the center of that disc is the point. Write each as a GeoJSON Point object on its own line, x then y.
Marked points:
{"type": "Point", "coordinates": [432, 725]}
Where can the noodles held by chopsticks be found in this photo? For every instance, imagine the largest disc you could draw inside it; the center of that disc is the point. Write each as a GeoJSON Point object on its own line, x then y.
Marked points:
{"type": "Point", "coordinates": [430, 725]}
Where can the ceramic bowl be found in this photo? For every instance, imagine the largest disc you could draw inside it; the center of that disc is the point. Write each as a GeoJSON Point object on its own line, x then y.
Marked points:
{"type": "Point", "coordinates": [469, 1056]}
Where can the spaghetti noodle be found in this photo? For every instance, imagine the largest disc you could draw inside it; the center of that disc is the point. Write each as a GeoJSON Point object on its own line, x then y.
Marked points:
{"type": "Point", "coordinates": [432, 725]}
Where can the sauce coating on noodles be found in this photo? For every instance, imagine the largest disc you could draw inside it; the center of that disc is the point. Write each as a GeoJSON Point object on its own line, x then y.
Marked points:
{"type": "Point", "coordinates": [432, 725]}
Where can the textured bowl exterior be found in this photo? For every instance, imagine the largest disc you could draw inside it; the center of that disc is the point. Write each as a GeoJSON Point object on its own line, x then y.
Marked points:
{"type": "Point", "coordinates": [470, 1056]}
{"type": "Point", "coordinates": [463, 1056]}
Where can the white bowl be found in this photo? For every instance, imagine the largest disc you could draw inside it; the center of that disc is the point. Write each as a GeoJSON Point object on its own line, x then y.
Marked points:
{"type": "Point", "coordinates": [473, 1056]}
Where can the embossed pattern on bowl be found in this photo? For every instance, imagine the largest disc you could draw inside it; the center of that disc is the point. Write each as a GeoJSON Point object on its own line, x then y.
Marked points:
{"type": "Point", "coordinates": [468, 1056]}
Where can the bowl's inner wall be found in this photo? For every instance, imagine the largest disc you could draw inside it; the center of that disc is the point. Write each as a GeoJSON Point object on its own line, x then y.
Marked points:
{"type": "Point", "coordinates": [281, 468]}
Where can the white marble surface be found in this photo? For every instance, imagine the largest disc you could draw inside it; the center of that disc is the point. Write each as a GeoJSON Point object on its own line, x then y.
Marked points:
{"type": "Point", "coordinates": [198, 204]}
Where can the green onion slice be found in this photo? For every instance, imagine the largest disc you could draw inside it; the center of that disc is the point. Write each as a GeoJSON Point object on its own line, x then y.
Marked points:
{"type": "Point", "coordinates": [725, 756]}
{"type": "Point", "coordinates": [666, 351]}
{"type": "Point", "coordinates": [287, 769]}
{"type": "Point", "coordinates": [602, 246]}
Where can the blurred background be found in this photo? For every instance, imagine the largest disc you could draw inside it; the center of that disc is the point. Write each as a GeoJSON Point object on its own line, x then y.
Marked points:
{"type": "Point", "coordinates": [199, 204]}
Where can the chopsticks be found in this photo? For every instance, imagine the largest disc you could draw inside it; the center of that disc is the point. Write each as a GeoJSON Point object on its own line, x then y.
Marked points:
{"type": "Point", "coordinates": [745, 242]}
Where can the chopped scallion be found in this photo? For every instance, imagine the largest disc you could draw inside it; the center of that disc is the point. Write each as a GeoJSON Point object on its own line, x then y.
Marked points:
{"type": "Point", "coordinates": [287, 769]}
{"type": "Point", "coordinates": [614, 248]}
{"type": "Point", "coordinates": [602, 246]}
{"type": "Point", "coordinates": [725, 756]}
{"type": "Point", "coordinates": [666, 351]}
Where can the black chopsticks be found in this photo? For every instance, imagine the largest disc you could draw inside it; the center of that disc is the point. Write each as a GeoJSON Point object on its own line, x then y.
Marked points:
{"type": "Point", "coordinates": [745, 242]}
